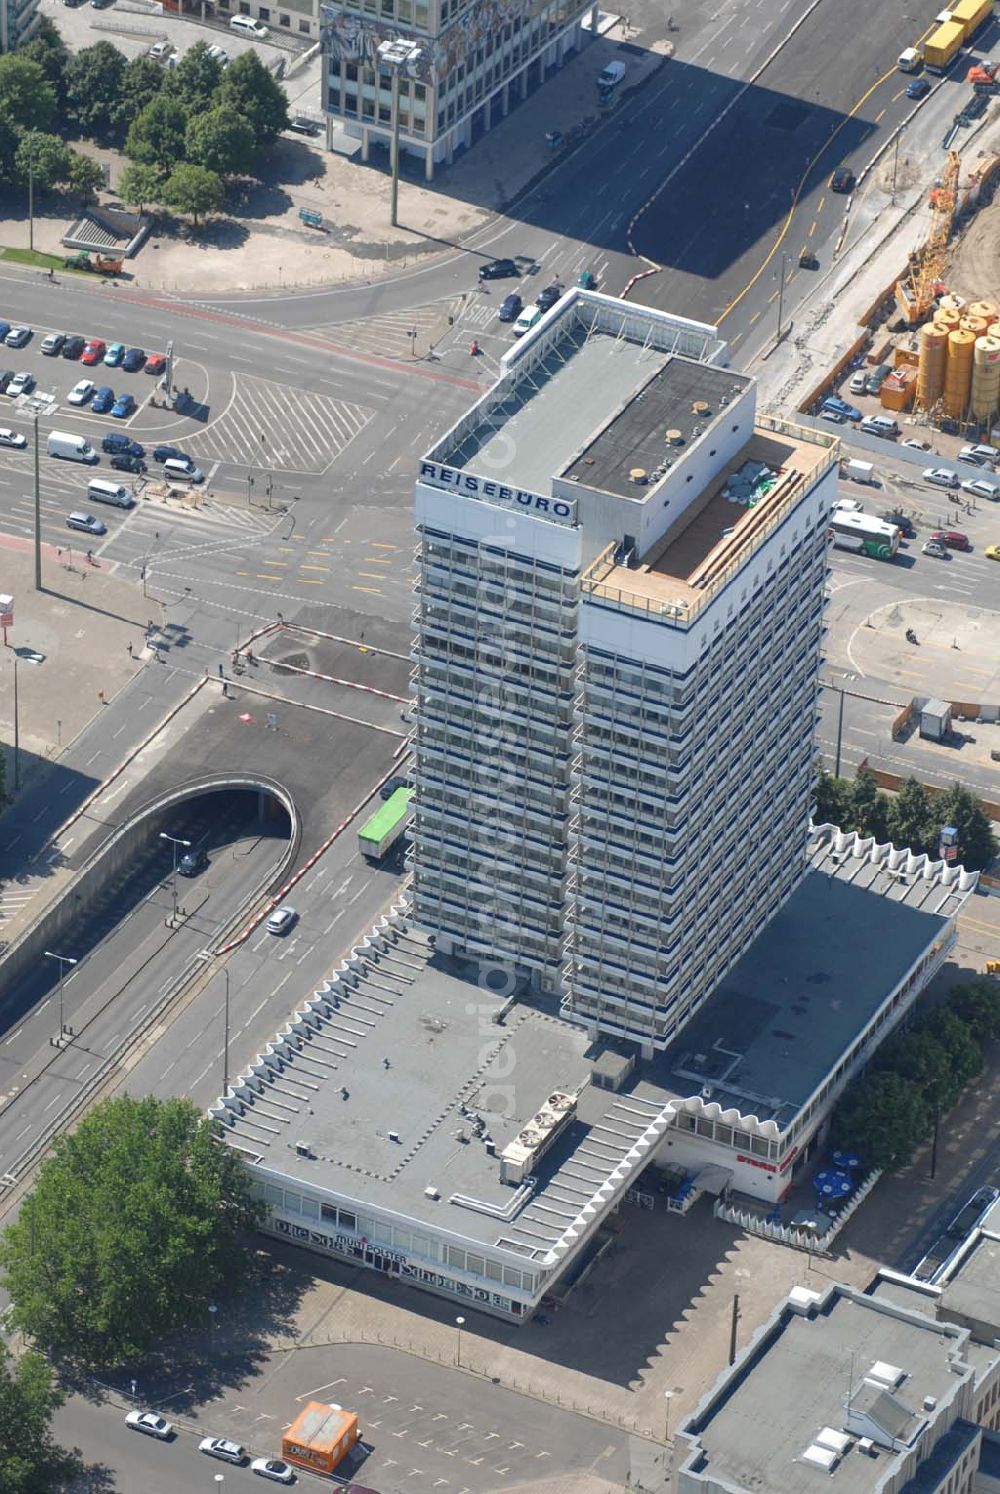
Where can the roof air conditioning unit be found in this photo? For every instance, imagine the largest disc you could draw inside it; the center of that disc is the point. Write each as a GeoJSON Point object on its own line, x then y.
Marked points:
{"type": "Point", "coordinates": [866, 1446]}
{"type": "Point", "coordinates": [431, 1192]}
{"type": "Point", "coordinates": [302, 1148]}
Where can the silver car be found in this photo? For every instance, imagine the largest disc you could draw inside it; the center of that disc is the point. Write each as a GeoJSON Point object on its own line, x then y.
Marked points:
{"type": "Point", "coordinates": [221, 1447]}
{"type": "Point", "coordinates": [941, 477]}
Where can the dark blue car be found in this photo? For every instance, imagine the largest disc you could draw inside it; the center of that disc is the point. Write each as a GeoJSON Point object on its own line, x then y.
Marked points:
{"type": "Point", "coordinates": [133, 360]}
{"type": "Point", "coordinates": [918, 88]}
{"type": "Point", "coordinates": [103, 400]}
{"type": "Point", "coordinates": [117, 441]}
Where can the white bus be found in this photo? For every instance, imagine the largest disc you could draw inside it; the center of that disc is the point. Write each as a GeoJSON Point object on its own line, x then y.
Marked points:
{"type": "Point", "coordinates": [864, 534]}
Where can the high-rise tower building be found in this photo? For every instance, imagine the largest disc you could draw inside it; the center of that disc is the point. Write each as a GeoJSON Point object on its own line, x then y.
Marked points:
{"type": "Point", "coordinates": [620, 590]}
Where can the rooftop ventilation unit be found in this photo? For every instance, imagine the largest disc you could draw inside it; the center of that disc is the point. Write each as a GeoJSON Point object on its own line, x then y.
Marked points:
{"type": "Point", "coordinates": [837, 1442]}
{"type": "Point", "coordinates": [302, 1148]}
{"type": "Point", "coordinates": [866, 1446]}
{"type": "Point", "coordinates": [431, 1192]}
{"type": "Point", "coordinates": [821, 1457]}
{"type": "Point", "coordinates": [887, 1376]}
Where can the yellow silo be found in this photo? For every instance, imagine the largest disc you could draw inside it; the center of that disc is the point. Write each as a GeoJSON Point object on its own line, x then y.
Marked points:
{"type": "Point", "coordinates": [930, 370]}
{"type": "Point", "coordinates": [958, 373]}
{"type": "Point", "coordinates": [985, 396]}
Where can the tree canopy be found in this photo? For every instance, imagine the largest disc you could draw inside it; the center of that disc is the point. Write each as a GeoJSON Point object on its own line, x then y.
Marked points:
{"type": "Point", "coordinates": [140, 184]}
{"type": "Point", "coordinates": [30, 1463]}
{"type": "Point", "coordinates": [195, 78]}
{"type": "Point", "coordinates": [94, 79]}
{"type": "Point", "coordinates": [222, 142]}
{"type": "Point", "coordinates": [248, 89]}
{"type": "Point", "coordinates": [27, 97]}
{"type": "Point", "coordinates": [913, 818]}
{"type": "Point", "coordinates": [156, 135]}
{"type": "Point", "coordinates": [45, 157]}
{"type": "Point", "coordinates": [142, 80]}
{"type": "Point", "coordinates": [133, 1228]}
{"type": "Point", "coordinates": [883, 1117]}
{"type": "Point", "coordinates": [195, 190]}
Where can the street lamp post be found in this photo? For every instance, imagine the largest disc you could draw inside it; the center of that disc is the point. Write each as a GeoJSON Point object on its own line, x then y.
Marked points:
{"type": "Point", "coordinates": [225, 1039]}
{"type": "Point", "coordinates": [38, 511]}
{"type": "Point", "coordinates": [175, 841]}
{"type": "Point", "coordinates": [393, 57]}
{"type": "Point", "coordinates": [459, 1324]}
{"type": "Point", "coordinates": [17, 734]}
{"type": "Point", "coordinates": [781, 298]}
{"type": "Point", "coordinates": [668, 1396]}
{"type": "Point", "coordinates": [64, 960]}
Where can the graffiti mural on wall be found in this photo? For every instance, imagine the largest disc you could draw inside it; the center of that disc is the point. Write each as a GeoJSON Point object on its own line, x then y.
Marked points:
{"type": "Point", "coordinates": [348, 37]}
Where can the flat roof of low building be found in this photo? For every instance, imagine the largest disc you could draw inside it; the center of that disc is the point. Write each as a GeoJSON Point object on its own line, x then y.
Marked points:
{"type": "Point", "coordinates": [973, 1287]}
{"type": "Point", "coordinates": [795, 1388]}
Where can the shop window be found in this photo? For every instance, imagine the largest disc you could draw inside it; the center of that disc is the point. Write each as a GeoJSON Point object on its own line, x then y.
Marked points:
{"type": "Point", "coordinates": [304, 27]}
{"type": "Point", "coordinates": [328, 1213]}
{"type": "Point", "coordinates": [284, 20]}
{"type": "Point", "coordinates": [310, 1208]}
{"type": "Point", "coordinates": [347, 1220]}
{"type": "Point", "coordinates": [264, 13]}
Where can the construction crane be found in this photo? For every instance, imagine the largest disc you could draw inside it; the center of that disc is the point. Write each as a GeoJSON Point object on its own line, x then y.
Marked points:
{"type": "Point", "coordinates": [917, 289]}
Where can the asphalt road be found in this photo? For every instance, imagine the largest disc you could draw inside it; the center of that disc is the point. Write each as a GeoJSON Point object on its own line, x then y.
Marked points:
{"type": "Point", "coordinates": [425, 1427]}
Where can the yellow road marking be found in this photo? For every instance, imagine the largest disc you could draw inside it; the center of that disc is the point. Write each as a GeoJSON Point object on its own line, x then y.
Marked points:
{"type": "Point", "coordinates": [324, 553]}
{"type": "Point", "coordinates": [813, 229]}
{"type": "Point", "coordinates": [305, 581]}
{"type": "Point", "coordinates": [266, 576]}
{"type": "Point", "coordinates": [375, 589]}
{"type": "Point", "coordinates": [272, 561]}
{"type": "Point", "coordinates": [879, 115]}
{"type": "Point", "coordinates": [821, 202]}
{"type": "Point", "coordinates": [754, 317]}
{"type": "Point", "coordinates": [242, 573]}
{"type": "Point", "coordinates": [314, 567]}
{"type": "Point", "coordinates": [371, 575]}
{"type": "Point", "coordinates": [377, 545]}
{"type": "Point", "coordinates": [328, 539]}
{"type": "Point", "coordinates": [377, 560]}
{"type": "Point", "coordinates": [899, 95]}
{"type": "Point", "coordinates": [798, 192]}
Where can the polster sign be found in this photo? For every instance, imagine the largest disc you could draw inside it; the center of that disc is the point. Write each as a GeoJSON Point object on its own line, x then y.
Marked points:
{"type": "Point", "coordinates": [562, 510]}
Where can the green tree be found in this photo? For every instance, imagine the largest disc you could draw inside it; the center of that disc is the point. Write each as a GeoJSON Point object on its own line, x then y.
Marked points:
{"type": "Point", "coordinates": [868, 807]}
{"type": "Point", "coordinates": [221, 141]}
{"type": "Point", "coordinates": [195, 78]}
{"type": "Point", "coordinates": [194, 190]}
{"type": "Point", "coordinates": [140, 184]}
{"type": "Point", "coordinates": [45, 157]}
{"type": "Point", "coordinates": [27, 97]}
{"type": "Point", "coordinates": [156, 135]}
{"type": "Point", "coordinates": [977, 1004]}
{"type": "Point", "coordinates": [977, 845]}
{"type": "Point", "coordinates": [134, 1227]}
{"type": "Point", "coordinates": [883, 1117]}
{"type": "Point", "coordinates": [832, 796]}
{"type": "Point", "coordinates": [30, 1463]}
{"type": "Point", "coordinates": [47, 48]}
{"type": "Point", "coordinates": [9, 141]}
{"type": "Point", "coordinates": [909, 815]}
{"type": "Point", "coordinates": [247, 88]}
{"type": "Point", "coordinates": [86, 176]}
{"type": "Point", "coordinates": [93, 87]}
{"type": "Point", "coordinates": [142, 81]}
{"type": "Point", "coordinates": [920, 1058]}
{"type": "Point", "coordinates": [961, 1048]}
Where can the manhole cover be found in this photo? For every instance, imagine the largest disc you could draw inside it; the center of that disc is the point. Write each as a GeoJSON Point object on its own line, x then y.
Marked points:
{"type": "Point", "coordinates": [289, 663]}
{"type": "Point", "coordinates": [787, 116]}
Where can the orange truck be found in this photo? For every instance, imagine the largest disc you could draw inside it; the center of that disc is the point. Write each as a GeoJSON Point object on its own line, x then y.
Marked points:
{"type": "Point", "coordinates": [320, 1437]}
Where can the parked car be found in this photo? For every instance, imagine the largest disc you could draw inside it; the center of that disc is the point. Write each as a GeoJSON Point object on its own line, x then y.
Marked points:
{"type": "Point", "coordinates": [301, 124]}
{"type": "Point", "coordinates": [878, 376]}
{"type": "Point", "coordinates": [150, 1423]}
{"type": "Point", "coordinates": [281, 920]}
{"type": "Point", "coordinates": [156, 363]}
{"type": "Point", "coordinates": [73, 346]}
{"type": "Point", "coordinates": [915, 444]}
{"type": "Point", "coordinates": [80, 392]}
{"type": "Point", "coordinates": [498, 269]}
{"type": "Point", "coordinates": [123, 406]}
{"type": "Point", "coordinates": [220, 54]}
{"type": "Point", "coordinates": [114, 354]}
{"type": "Point", "coordinates": [169, 453]}
{"type": "Point", "coordinates": [133, 360]}
{"type": "Point", "coordinates": [12, 438]}
{"type": "Point", "coordinates": [4, 329]}
{"type": "Point", "coordinates": [918, 88]}
{"type": "Point", "coordinates": [160, 50]}
{"type": "Point", "coordinates": [86, 522]}
{"type": "Point", "coordinates": [221, 1447]}
{"type": "Point", "coordinates": [979, 487]}
{"type": "Point", "coordinates": [859, 382]}
{"type": "Point", "coordinates": [979, 455]}
{"type": "Point", "coordinates": [248, 26]}
{"type": "Point", "coordinates": [124, 461]}
{"type": "Point", "coordinates": [842, 180]}
{"type": "Point", "coordinates": [103, 400]}
{"type": "Point", "coordinates": [941, 477]}
{"type": "Point", "coordinates": [278, 1471]}
{"type": "Point", "coordinates": [510, 307]}
{"type": "Point", "coordinates": [841, 407]}
{"type": "Point", "coordinates": [397, 781]}
{"type": "Point", "coordinates": [6, 374]}
{"type": "Point", "coordinates": [953, 538]}
{"type": "Point", "coordinates": [21, 383]}
{"type": "Point", "coordinates": [992, 552]}
{"type": "Point", "coordinates": [17, 337]}
{"type": "Point", "coordinates": [548, 297]}
{"type": "Point", "coordinates": [880, 425]}
{"type": "Point", "coordinates": [53, 344]}
{"type": "Point", "coordinates": [934, 547]}
{"type": "Point", "coordinates": [529, 316]}
{"type": "Point", "coordinates": [93, 352]}
{"type": "Point", "coordinates": [833, 417]}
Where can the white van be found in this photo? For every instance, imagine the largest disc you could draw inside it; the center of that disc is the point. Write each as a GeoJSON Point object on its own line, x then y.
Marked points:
{"type": "Point", "coordinates": [909, 60]}
{"type": "Point", "coordinates": [102, 491]}
{"type": "Point", "coordinates": [611, 76]}
{"type": "Point", "coordinates": [176, 470]}
{"type": "Point", "coordinates": [71, 447]}
{"type": "Point", "coordinates": [247, 26]}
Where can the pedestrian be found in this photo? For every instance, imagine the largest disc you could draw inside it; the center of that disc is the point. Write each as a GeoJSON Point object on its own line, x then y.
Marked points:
{"type": "Point", "coordinates": [90, 557]}
{"type": "Point", "coordinates": [130, 651]}
{"type": "Point", "coordinates": [221, 672]}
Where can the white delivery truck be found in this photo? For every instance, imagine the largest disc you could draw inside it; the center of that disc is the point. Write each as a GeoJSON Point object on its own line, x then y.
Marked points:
{"type": "Point", "coordinates": [71, 448]}
{"type": "Point", "coordinates": [861, 472]}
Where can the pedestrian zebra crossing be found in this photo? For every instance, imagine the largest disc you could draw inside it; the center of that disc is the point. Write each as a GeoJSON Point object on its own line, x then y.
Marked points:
{"type": "Point", "coordinates": [275, 427]}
